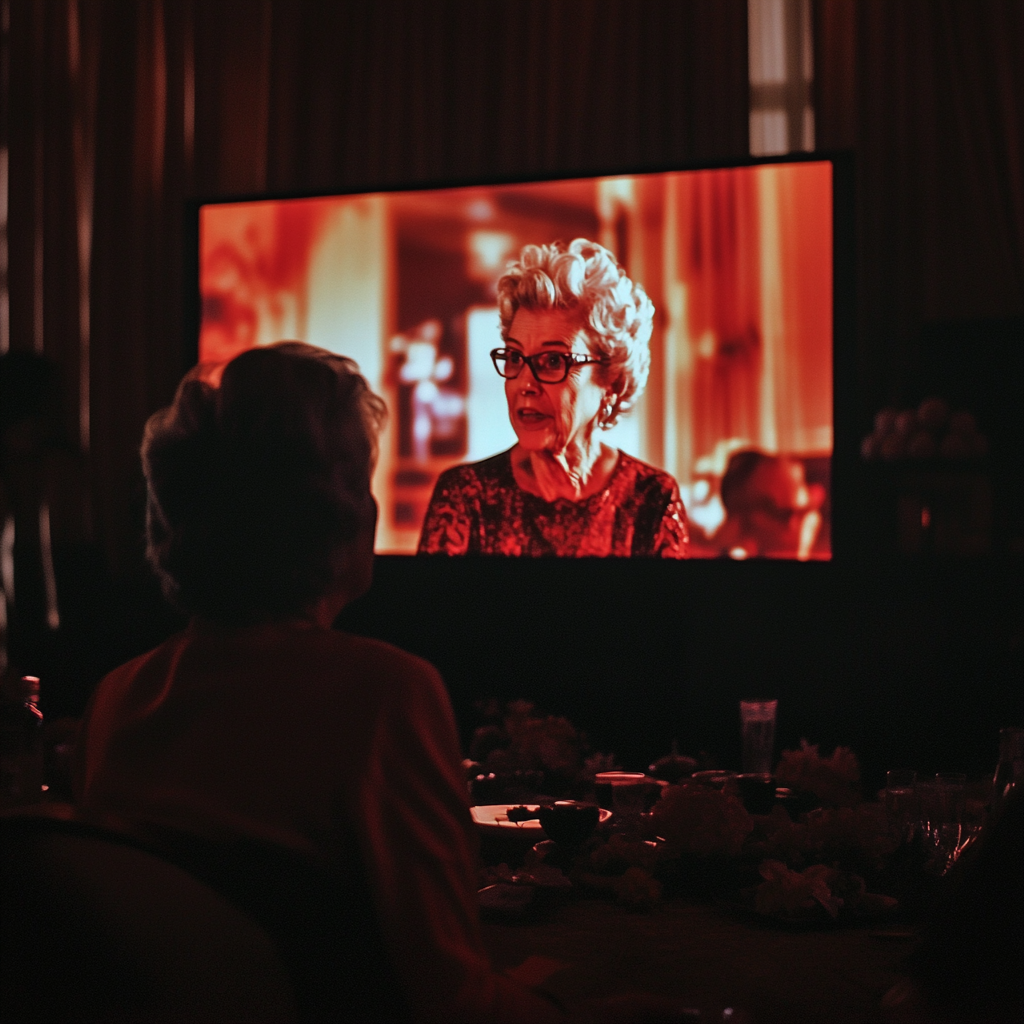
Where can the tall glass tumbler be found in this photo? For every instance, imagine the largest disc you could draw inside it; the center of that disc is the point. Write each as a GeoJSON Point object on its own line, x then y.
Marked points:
{"type": "Point", "coordinates": [757, 720]}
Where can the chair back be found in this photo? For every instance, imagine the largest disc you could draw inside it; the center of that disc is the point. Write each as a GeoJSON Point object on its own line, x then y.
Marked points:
{"type": "Point", "coordinates": [94, 928]}
{"type": "Point", "coordinates": [322, 919]}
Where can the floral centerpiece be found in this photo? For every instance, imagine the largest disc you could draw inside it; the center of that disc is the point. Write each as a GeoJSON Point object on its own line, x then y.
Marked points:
{"type": "Point", "coordinates": [692, 841]}
{"type": "Point", "coordinates": [522, 754]}
{"type": "Point", "coordinates": [834, 780]}
{"type": "Point", "coordinates": [698, 838]}
{"type": "Point", "coordinates": [856, 837]}
{"type": "Point", "coordinates": [625, 867]}
{"type": "Point", "coordinates": [699, 821]}
{"type": "Point", "coordinates": [816, 893]}
{"type": "Point", "coordinates": [702, 832]}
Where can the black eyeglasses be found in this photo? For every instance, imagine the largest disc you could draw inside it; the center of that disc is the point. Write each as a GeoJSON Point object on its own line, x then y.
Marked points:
{"type": "Point", "coordinates": [546, 367]}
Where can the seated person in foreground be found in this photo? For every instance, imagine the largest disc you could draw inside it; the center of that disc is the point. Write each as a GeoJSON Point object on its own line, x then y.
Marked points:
{"type": "Point", "coordinates": [259, 724]}
{"type": "Point", "coordinates": [576, 355]}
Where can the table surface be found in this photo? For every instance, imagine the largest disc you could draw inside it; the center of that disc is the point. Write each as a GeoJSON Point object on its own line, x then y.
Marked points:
{"type": "Point", "coordinates": [708, 957]}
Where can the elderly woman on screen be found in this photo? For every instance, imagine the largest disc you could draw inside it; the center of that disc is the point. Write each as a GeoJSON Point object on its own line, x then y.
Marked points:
{"type": "Point", "coordinates": [576, 354]}
{"type": "Point", "coordinates": [260, 727]}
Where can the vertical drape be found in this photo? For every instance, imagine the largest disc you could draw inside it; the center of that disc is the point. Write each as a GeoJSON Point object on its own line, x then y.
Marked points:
{"type": "Point", "coordinates": [136, 272]}
{"type": "Point", "coordinates": [930, 95]}
{"type": "Point", "coordinates": [43, 272]}
{"type": "Point", "coordinates": [392, 93]}
{"type": "Point", "coordinates": [242, 96]}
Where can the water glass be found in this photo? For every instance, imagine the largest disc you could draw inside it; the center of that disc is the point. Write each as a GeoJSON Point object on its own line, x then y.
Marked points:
{"type": "Point", "coordinates": [942, 808]}
{"type": "Point", "coordinates": [629, 799]}
{"type": "Point", "coordinates": [757, 720]}
{"type": "Point", "coordinates": [618, 790]}
{"type": "Point", "coordinates": [929, 809]}
{"type": "Point", "coordinates": [901, 802]}
{"type": "Point", "coordinates": [953, 792]}
{"type": "Point", "coordinates": [629, 792]}
{"type": "Point", "coordinates": [976, 804]}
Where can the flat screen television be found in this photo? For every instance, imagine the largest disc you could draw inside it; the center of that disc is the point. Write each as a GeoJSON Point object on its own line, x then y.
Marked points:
{"type": "Point", "coordinates": [741, 263]}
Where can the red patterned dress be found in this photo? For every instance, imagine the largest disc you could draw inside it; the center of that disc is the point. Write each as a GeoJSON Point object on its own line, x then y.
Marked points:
{"type": "Point", "coordinates": [479, 509]}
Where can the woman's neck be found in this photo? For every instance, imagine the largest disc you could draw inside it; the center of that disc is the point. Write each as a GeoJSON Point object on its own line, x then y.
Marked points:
{"type": "Point", "coordinates": [577, 472]}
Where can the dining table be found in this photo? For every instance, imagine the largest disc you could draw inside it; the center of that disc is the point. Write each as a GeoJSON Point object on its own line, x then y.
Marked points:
{"type": "Point", "coordinates": [703, 944]}
{"type": "Point", "coordinates": [709, 956]}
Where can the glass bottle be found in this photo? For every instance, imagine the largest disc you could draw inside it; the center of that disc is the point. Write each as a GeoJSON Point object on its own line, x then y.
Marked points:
{"type": "Point", "coordinates": [21, 746]}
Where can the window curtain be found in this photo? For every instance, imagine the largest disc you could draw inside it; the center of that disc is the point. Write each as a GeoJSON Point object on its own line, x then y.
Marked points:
{"type": "Point", "coordinates": [118, 111]}
{"type": "Point", "coordinates": [930, 96]}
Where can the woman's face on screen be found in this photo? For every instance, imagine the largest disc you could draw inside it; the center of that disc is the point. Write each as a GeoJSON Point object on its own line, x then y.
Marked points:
{"type": "Point", "coordinates": [550, 417]}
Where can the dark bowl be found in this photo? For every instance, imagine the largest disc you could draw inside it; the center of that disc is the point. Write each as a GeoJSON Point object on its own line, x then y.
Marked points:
{"type": "Point", "coordinates": [569, 823]}
{"type": "Point", "coordinates": [673, 768]}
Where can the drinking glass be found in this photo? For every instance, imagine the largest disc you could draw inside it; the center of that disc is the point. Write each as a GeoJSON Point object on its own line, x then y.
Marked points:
{"type": "Point", "coordinates": [953, 790]}
{"type": "Point", "coordinates": [629, 799]}
{"type": "Point", "coordinates": [901, 803]}
{"type": "Point", "coordinates": [611, 789]}
{"type": "Point", "coordinates": [929, 810]}
{"type": "Point", "coordinates": [942, 809]}
{"type": "Point", "coordinates": [976, 803]}
{"type": "Point", "coordinates": [757, 720]}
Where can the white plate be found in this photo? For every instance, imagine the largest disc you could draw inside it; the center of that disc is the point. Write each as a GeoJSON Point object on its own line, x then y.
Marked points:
{"type": "Point", "coordinates": [494, 818]}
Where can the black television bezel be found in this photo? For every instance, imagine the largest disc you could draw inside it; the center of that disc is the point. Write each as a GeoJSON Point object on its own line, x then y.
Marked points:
{"type": "Point", "coordinates": [845, 426]}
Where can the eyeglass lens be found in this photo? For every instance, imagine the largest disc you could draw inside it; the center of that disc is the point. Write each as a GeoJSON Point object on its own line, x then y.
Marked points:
{"type": "Point", "coordinates": [550, 367]}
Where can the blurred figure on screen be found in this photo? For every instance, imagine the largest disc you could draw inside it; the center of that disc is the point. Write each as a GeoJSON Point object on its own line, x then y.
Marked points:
{"type": "Point", "coordinates": [771, 510]}
{"type": "Point", "coordinates": [438, 411]}
{"type": "Point", "coordinates": [575, 358]}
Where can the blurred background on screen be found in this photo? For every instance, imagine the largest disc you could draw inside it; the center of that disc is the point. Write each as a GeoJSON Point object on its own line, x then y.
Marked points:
{"type": "Point", "coordinates": [738, 262]}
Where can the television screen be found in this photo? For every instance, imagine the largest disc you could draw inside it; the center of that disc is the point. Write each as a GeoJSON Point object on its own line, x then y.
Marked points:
{"type": "Point", "coordinates": [737, 407]}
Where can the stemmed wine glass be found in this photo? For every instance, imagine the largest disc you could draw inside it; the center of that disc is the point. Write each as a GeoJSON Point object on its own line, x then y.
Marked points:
{"type": "Point", "coordinates": [942, 802]}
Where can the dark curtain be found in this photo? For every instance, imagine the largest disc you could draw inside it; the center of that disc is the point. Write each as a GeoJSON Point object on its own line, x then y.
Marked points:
{"type": "Point", "coordinates": [930, 96]}
{"type": "Point", "coordinates": [121, 110]}
{"type": "Point", "coordinates": [38, 130]}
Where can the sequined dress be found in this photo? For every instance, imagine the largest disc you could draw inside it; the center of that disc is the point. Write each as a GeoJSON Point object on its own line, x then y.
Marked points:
{"type": "Point", "coordinates": [480, 509]}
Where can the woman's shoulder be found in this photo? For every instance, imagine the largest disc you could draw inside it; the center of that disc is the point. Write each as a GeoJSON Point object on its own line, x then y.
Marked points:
{"type": "Point", "coordinates": [652, 497]}
{"type": "Point", "coordinates": [205, 644]}
{"type": "Point", "coordinates": [390, 681]}
{"type": "Point", "coordinates": [373, 659]}
{"type": "Point", "coordinates": [345, 676]}
{"type": "Point", "coordinates": [644, 475]}
{"type": "Point", "coordinates": [157, 660]}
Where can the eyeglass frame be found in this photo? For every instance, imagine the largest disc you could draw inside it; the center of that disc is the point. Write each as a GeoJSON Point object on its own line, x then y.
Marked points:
{"type": "Point", "coordinates": [570, 361]}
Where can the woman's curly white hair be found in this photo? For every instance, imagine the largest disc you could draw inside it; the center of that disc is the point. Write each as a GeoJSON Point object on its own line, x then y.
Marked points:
{"type": "Point", "coordinates": [618, 315]}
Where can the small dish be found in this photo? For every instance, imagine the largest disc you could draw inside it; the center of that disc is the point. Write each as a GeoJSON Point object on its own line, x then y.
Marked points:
{"type": "Point", "coordinates": [494, 818]}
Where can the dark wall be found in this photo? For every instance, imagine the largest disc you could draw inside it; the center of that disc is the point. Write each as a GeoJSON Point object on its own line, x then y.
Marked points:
{"type": "Point", "coordinates": [910, 663]}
